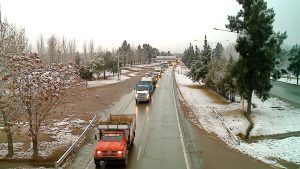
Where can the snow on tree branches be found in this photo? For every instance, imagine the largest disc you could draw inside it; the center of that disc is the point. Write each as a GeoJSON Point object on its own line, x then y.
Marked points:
{"type": "Point", "coordinates": [41, 89]}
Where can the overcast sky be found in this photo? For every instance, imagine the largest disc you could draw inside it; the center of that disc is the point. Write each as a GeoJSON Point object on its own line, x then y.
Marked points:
{"type": "Point", "coordinates": [164, 24]}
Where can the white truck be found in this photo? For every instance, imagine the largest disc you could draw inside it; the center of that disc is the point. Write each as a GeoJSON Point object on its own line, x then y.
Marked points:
{"type": "Point", "coordinates": [144, 90]}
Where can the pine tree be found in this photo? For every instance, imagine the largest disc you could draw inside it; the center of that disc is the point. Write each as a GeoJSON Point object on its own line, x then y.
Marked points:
{"type": "Point", "coordinates": [125, 51]}
{"type": "Point", "coordinates": [257, 44]}
{"type": "Point", "coordinates": [294, 66]}
{"type": "Point", "coordinates": [200, 68]}
{"type": "Point", "coordinates": [218, 51]}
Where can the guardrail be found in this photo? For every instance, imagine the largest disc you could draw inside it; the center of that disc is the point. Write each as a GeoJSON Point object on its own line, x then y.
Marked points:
{"type": "Point", "coordinates": [65, 155]}
{"type": "Point", "coordinates": [227, 128]}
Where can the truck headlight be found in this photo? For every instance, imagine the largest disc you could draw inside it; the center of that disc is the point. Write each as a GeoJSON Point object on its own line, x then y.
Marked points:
{"type": "Point", "coordinates": [136, 95]}
{"type": "Point", "coordinates": [119, 152]}
{"type": "Point", "coordinates": [98, 153]}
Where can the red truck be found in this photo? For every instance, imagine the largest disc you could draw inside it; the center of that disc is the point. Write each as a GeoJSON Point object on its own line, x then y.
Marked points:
{"type": "Point", "coordinates": [116, 136]}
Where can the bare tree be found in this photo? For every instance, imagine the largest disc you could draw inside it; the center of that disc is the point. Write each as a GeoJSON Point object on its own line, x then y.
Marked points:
{"type": "Point", "coordinates": [84, 53]}
{"type": "Point", "coordinates": [12, 41]}
{"type": "Point", "coordinates": [52, 48]}
{"type": "Point", "coordinates": [41, 89]}
{"type": "Point", "coordinates": [64, 49]}
{"type": "Point", "coordinates": [72, 49]}
{"type": "Point", "coordinates": [91, 48]}
{"type": "Point", "coordinates": [40, 45]}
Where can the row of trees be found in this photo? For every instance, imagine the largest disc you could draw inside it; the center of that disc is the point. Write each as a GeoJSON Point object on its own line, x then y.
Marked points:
{"type": "Point", "coordinates": [97, 61]}
{"type": "Point", "coordinates": [260, 56]}
{"type": "Point", "coordinates": [59, 50]}
{"type": "Point", "coordinates": [31, 89]}
{"type": "Point", "coordinates": [211, 67]}
{"type": "Point", "coordinates": [107, 61]}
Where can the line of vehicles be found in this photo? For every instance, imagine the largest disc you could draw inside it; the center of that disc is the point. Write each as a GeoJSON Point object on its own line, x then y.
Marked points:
{"type": "Point", "coordinates": [145, 87]}
{"type": "Point", "coordinates": [116, 134]}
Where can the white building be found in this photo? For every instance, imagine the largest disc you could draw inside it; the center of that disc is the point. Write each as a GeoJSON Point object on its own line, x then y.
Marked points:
{"type": "Point", "coordinates": [165, 58]}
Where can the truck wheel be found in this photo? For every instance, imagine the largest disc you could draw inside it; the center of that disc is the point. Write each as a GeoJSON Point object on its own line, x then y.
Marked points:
{"type": "Point", "coordinates": [97, 164]}
{"type": "Point", "coordinates": [137, 102]}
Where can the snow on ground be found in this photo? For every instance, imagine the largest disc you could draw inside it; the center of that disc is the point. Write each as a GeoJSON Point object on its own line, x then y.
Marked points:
{"type": "Point", "coordinates": [132, 74]}
{"type": "Point", "coordinates": [267, 121]}
{"type": "Point", "coordinates": [60, 132]}
{"type": "Point", "coordinates": [112, 80]}
{"type": "Point", "coordinates": [132, 68]}
{"type": "Point", "coordinates": [291, 81]}
{"type": "Point", "coordinates": [283, 118]}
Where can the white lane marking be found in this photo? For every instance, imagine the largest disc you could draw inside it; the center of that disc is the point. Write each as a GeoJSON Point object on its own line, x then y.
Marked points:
{"type": "Point", "coordinates": [148, 117]}
{"type": "Point", "coordinates": [181, 136]}
{"type": "Point", "coordinates": [139, 153]}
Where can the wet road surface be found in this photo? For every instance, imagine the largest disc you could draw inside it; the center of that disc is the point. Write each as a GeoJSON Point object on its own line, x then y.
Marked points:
{"type": "Point", "coordinates": [289, 92]}
{"type": "Point", "coordinates": [165, 139]}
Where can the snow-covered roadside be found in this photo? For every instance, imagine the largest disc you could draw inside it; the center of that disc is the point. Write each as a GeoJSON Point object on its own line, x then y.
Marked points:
{"type": "Point", "coordinates": [61, 138]}
{"type": "Point", "coordinates": [112, 80]}
{"type": "Point", "coordinates": [267, 121]}
{"type": "Point", "coordinates": [291, 81]}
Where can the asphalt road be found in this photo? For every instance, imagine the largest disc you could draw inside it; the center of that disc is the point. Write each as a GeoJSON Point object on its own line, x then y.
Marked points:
{"type": "Point", "coordinates": [289, 92]}
{"type": "Point", "coordinates": [165, 139]}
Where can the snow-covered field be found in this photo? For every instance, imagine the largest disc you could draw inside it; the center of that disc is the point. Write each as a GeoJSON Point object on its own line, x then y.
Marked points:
{"type": "Point", "coordinates": [111, 80]}
{"type": "Point", "coordinates": [282, 118]}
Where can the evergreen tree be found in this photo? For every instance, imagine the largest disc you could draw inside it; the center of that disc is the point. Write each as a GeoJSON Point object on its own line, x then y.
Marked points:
{"type": "Point", "coordinates": [200, 68]}
{"type": "Point", "coordinates": [125, 52]}
{"type": "Point", "coordinates": [257, 44]}
{"type": "Point", "coordinates": [191, 56]}
{"type": "Point", "coordinates": [218, 51]}
{"type": "Point", "coordinates": [294, 58]}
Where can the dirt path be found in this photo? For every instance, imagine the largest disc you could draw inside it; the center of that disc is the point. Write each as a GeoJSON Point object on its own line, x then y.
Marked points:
{"type": "Point", "coordinates": [98, 99]}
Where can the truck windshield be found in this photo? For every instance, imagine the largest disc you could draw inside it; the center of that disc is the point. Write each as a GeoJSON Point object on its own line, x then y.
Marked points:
{"type": "Point", "coordinates": [141, 88]}
{"type": "Point", "coordinates": [112, 137]}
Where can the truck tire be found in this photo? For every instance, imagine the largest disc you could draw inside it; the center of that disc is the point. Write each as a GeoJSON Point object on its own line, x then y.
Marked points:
{"type": "Point", "coordinates": [97, 164]}
{"type": "Point", "coordinates": [137, 102]}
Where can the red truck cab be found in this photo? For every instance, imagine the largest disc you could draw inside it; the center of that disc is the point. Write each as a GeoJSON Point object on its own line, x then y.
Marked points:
{"type": "Point", "coordinates": [112, 147]}
{"type": "Point", "coordinates": [115, 140]}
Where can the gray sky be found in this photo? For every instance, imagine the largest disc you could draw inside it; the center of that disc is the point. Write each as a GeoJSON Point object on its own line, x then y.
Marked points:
{"type": "Point", "coordinates": [164, 24]}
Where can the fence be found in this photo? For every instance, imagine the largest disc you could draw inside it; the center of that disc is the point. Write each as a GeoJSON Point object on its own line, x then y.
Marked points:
{"type": "Point", "coordinates": [65, 155]}
{"type": "Point", "coordinates": [227, 128]}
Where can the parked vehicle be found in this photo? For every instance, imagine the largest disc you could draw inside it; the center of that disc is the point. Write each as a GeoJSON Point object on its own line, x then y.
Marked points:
{"type": "Point", "coordinates": [116, 137]}
{"type": "Point", "coordinates": [144, 89]}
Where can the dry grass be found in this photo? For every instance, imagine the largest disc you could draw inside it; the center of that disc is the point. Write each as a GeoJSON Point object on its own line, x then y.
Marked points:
{"type": "Point", "coordinates": [210, 93]}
